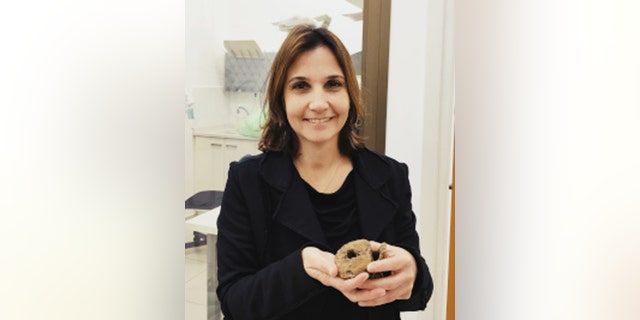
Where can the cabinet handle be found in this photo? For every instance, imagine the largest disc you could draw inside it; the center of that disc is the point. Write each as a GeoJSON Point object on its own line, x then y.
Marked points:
{"type": "Point", "coordinates": [218, 145]}
{"type": "Point", "coordinates": [232, 146]}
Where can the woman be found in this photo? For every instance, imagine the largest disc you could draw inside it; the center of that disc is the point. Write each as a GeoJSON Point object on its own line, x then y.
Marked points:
{"type": "Point", "coordinates": [314, 188]}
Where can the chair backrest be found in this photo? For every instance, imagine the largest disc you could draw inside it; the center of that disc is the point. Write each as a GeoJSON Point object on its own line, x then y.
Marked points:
{"type": "Point", "coordinates": [205, 200]}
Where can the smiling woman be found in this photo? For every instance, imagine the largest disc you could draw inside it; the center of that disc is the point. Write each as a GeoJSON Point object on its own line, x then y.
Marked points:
{"type": "Point", "coordinates": [316, 186]}
{"type": "Point", "coordinates": [313, 76]}
{"type": "Point", "coordinates": [317, 102]}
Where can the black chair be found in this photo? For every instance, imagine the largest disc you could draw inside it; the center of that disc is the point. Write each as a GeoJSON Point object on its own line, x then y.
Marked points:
{"type": "Point", "coordinates": [203, 200]}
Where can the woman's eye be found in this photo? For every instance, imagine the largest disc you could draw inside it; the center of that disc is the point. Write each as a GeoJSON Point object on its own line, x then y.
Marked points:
{"type": "Point", "coordinates": [334, 84]}
{"type": "Point", "coordinates": [300, 85]}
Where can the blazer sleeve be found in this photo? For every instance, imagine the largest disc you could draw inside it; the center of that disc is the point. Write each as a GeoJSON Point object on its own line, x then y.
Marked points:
{"type": "Point", "coordinates": [407, 238]}
{"type": "Point", "coordinates": [247, 289]}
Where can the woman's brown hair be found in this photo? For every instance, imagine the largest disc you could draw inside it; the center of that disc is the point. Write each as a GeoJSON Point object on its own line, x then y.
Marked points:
{"type": "Point", "coordinates": [277, 134]}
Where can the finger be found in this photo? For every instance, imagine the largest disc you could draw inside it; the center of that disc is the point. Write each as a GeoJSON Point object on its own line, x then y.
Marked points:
{"type": "Point", "coordinates": [356, 282]}
{"type": "Point", "coordinates": [376, 301]}
{"type": "Point", "coordinates": [366, 295]}
{"type": "Point", "coordinates": [395, 259]}
{"type": "Point", "coordinates": [343, 285]}
{"type": "Point", "coordinates": [375, 246]}
{"type": "Point", "coordinates": [390, 296]}
{"type": "Point", "coordinates": [387, 283]}
{"type": "Point", "coordinates": [332, 269]}
{"type": "Point", "coordinates": [326, 263]}
{"type": "Point", "coordinates": [319, 275]}
{"type": "Point", "coordinates": [383, 265]}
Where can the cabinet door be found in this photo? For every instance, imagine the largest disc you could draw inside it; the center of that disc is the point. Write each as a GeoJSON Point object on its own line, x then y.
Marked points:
{"type": "Point", "coordinates": [234, 150]}
{"type": "Point", "coordinates": [209, 161]}
{"type": "Point", "coordinates": [212, 157]}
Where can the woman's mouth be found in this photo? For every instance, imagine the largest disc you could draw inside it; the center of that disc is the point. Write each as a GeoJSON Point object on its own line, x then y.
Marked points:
{"type": "Point", "coordinates": [319, 120]}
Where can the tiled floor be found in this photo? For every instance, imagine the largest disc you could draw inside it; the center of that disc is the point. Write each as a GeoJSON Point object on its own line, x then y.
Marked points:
{"type": "Point", "coordinates": [195, 281]}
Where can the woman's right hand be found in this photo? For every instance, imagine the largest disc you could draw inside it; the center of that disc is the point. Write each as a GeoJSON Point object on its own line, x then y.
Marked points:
{"type": "Point", "coordinates": [321, 266]}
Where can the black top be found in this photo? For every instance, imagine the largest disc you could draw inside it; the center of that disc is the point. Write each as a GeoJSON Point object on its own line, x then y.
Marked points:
{"type": "Point", "coordinates": [337, 213]}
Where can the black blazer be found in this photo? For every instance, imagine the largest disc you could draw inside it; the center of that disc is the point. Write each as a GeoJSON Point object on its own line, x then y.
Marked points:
{"type": "Point", "coordinates": [267, 218]}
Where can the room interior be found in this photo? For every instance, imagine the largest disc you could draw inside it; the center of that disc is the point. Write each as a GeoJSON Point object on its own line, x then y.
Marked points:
{"type": "Point", "coordinates": [227, 58]}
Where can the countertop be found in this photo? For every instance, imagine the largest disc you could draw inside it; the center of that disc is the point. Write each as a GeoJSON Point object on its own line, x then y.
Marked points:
{"type": "Point", "coordinates": [221, 131]}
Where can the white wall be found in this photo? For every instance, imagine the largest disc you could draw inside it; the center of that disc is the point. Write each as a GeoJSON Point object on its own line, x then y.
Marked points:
{"type": "Point", "coordinates": [204, 75]}
{"type": "Point", "coordinates": [420, 127]}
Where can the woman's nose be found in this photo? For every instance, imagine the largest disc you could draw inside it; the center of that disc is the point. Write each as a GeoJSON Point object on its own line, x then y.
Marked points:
{"type": "Point", "coordinates": [319, 101]}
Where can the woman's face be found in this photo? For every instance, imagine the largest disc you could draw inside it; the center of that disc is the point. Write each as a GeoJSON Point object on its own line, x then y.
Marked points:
{"type": "Point", "coordinates": [316, 97]}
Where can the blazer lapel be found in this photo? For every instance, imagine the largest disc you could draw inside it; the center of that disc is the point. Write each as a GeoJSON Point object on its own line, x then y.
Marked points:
{"type": "Point", "coordinates": [294, 210]}
{"type": "Point", "coordinates": [376, 208]}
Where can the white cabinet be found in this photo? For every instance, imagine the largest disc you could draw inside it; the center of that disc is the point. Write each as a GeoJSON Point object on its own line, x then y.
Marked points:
{"type": "Point", "coordinates": [213, 150]}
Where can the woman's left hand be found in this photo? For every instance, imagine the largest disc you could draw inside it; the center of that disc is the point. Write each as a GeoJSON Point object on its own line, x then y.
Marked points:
{"type": "Point", "coordinates": [399, 284]}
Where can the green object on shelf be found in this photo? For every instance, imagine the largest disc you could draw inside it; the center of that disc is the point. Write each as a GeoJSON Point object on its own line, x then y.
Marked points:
{"type": "Point", "coordinates": [251, 126]}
